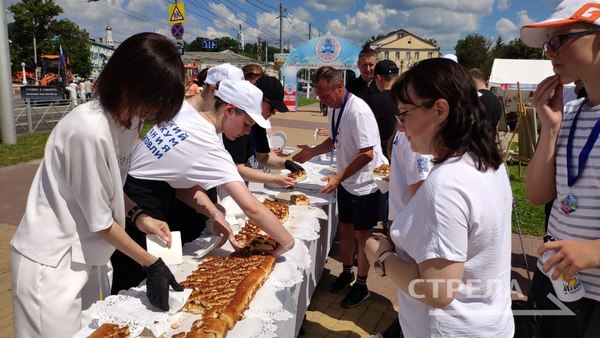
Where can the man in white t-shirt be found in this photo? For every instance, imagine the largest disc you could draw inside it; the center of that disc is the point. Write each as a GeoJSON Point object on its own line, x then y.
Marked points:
{"type": "Point", "coordinates": [355, 136]}
{"type": "Point", "coordinates": [82, 92]}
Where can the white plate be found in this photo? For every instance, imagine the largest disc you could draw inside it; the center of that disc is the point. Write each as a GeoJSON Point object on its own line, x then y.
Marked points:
{"type": "Point", "coordinates": [201, 246]}
{"type": "Point", "coordinates": [278, 140]}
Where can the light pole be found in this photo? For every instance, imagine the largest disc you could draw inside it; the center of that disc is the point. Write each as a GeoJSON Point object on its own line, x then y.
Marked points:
{"type": "Point", "coordinates": [24, 74]}
{"type": "Point", "coordinates": [35, 64]}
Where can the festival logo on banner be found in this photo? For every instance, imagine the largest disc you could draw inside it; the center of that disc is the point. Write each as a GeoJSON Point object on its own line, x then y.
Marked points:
{"type": "Point", "coordinates": [328, 48]}
{"type": "Point", "coordinates": [289, 97]}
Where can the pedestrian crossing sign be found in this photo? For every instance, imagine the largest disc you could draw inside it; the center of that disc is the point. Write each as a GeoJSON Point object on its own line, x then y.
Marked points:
{"type": "Point", "coordinates": [176, 13]}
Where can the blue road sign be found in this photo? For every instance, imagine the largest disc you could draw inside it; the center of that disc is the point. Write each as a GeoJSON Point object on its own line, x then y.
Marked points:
{"type": "Point", "coordinates": [209, 44]}
{"type": "Point", "coordinates": [177, 31]}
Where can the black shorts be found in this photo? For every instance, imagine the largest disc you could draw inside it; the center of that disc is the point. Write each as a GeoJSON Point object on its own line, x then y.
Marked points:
{"type": "Point", "coordinates": [360, 211]}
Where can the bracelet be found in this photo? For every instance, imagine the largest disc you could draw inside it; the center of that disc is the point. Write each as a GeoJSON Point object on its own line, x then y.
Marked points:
{"type": "Point", "coordinates": [134, 213]}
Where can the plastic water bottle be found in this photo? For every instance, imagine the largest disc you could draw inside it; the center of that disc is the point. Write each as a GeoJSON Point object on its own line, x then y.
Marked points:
{"type": "Point", "coordinates": [566, 291]}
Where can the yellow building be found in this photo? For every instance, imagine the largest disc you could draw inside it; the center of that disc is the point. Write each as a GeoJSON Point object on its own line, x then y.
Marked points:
{"type": "Point", "coordinates": [404, 48]}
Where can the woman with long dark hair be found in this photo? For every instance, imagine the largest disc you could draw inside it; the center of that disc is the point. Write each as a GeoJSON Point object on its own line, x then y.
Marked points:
{"type": "Point", "coordinates": [76, 208]}
{"type": "Point", "coordinates": [451, 250]}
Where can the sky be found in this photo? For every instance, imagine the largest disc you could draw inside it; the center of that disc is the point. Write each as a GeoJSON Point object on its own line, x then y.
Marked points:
{"type": "Point", "coordinates": [446, 21]}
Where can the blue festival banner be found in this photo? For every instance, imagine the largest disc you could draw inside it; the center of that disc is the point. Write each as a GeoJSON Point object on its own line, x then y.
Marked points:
{"type": "Point", "coordinates": [326, 50]}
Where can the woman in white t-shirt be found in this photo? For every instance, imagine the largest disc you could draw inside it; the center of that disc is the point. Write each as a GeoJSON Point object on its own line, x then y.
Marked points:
{"type": "Point", "coordinates": [76, 208]}
{"type": "Point", "coordinates": [186, 156]}
{"type": "Point", "coordinates": [451, 250]}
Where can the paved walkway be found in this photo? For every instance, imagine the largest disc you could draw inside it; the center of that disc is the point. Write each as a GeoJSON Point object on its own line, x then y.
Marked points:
{"type": "Point", "coordinates": [325, 317]}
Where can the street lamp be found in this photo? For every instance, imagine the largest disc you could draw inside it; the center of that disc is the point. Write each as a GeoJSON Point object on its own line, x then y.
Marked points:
{"type": "Point", "coordinates": [24, 74]}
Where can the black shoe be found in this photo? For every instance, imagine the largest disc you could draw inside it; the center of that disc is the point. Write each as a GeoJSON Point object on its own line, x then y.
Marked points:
{"type": "Point", "coordinates": [342, 282]}
{"type": "Point", "coordinates": [358, 293]}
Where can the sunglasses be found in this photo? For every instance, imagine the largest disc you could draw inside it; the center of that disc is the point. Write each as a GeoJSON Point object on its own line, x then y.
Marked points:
{"type": "Point", "coordinates": [557, 41]}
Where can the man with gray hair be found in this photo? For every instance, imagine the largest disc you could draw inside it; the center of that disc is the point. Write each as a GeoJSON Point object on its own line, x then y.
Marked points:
{"type": "Point", "coordinates": [355, 136]}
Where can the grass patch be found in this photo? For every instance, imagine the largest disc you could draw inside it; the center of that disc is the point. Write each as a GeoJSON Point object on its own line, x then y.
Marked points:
{"type": "Point", "coordinates": [29, 147]}
{"type": "Point", "coordinates": [531, 217]}
{"type": "Point", "coordinates": [305, 101]}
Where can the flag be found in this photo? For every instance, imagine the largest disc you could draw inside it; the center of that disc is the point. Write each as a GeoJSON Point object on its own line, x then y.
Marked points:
{"type": "Point", "coordinates": [63, 63]}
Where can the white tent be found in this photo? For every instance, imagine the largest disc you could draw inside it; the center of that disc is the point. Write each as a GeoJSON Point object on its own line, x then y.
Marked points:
{"type": "Point", "coordinates": [506, 73]}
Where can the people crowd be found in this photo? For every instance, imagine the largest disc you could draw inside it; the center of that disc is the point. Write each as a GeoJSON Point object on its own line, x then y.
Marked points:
{"type": "Point", "coordinates": [103, 185]}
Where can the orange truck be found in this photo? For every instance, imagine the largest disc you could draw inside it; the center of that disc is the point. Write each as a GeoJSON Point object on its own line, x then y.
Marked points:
{"type": "Point", "coordinates": [53, 80]}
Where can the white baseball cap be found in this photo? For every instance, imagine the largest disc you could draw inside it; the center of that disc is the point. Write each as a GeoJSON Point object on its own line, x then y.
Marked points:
{"type": "Point", "coordinates": [245, 96]}
{"type": "Point", "coordinates": [225, 71]}
{"type": "Point", "coordinates": [568, 11]}
{"type": "Point", "coordinates": [450, 57]}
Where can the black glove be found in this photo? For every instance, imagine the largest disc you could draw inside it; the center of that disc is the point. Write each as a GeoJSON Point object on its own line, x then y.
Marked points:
{"type": "Point", "coordinates": [292, 166]}
{"type": "Point", "coordinates": [158, 279]}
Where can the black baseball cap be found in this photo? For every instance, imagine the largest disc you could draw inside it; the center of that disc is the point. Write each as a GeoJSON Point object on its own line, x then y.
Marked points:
{"type": "Point", "coordinates": [385, 67]}
{"type": "Point", "coordinates": [272, 92]}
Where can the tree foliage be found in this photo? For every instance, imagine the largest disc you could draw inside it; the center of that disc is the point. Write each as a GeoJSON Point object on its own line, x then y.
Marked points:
{"type": "Point", "coordinates": [38, 18]}
{"type": "Point", "coordinates": [475, 51]}
{"type": "Point", "coordinates": [251, 50]}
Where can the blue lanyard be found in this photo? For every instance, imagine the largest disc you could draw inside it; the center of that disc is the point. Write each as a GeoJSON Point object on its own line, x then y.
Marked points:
{"type": "Point", "coordinates": [585, 152]}
{"type": "Point", "coordinates": [336, 125]}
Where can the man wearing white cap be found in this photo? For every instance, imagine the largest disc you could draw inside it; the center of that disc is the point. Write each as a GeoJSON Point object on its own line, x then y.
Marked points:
{"type": "Point", "coordinates": [206, 99]}
{"type": "Point", "coordinates": [565, 164]}
{"type": "Point", "coordinates": [184, 157]}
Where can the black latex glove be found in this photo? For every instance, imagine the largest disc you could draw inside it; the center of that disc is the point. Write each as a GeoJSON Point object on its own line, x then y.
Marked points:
{"type": "Point", "coordinates": [292, 166]}
{"type": "Point", "coordinates": [158, 280]}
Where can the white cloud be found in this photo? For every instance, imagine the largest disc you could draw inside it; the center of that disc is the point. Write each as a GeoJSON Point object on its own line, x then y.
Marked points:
{"type": "Point", "coordinates": [430, 19]}
{"type": "Point", "coordinates": [503, 5]}
{"type": "Point", "coordinates": [523, 18]}
{"type": "Point", "coordinates": [330, 5]}
{"type": "Point", "coordinates": [482, 7]}
{"type": "Point", "coordinates": [507, 29]}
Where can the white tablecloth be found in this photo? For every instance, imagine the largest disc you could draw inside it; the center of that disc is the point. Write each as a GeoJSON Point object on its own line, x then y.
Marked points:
{"type": "Point", "coordinates": [279, 306]}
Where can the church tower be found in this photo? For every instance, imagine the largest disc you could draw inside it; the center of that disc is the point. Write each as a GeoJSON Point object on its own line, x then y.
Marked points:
{"type": "Point", "coordinates": [109, 37]}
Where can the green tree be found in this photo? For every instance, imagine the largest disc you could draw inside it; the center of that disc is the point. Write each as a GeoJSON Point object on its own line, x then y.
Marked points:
{"type": "Point", "coordinates": [516, 49]}
{"type": "Point", "coordinates": [37, 17]}
{"type": "Point", "coordinates": [432, 41]}
{"type": "Point", "coordinates": [473, 51]}
{"type": "Point", "coordinates": [76, 46]}
{"type": "Point", "coordinates": [223, 43]}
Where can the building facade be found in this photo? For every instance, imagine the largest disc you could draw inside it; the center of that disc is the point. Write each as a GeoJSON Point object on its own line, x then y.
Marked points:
{"type": "Point", "coordinates": [404, 48]}
{"type": "Point", "coordinates": [100, 51]}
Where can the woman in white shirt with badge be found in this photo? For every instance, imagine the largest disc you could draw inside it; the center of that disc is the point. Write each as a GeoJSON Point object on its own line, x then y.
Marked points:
{"type": "Point", "coordinates": [188, 154]}
{"type": "Point", "coordinates": [75, 211]}
{"type": "Point", "coordinates": [450, 257]}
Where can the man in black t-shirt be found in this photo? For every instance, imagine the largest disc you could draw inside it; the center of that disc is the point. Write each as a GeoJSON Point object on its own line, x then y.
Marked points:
{"type": "Point", "coordinates": [383, 106]}
{"type": "Point", "coordinates": [364, 86]}
{"type": "Point", "coordinates": [249, 150]}
{"type": "Point", "coordinates": [492, 104]}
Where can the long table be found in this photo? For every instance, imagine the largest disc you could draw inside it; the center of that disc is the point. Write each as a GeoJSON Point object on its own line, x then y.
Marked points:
{"type": "Point", "coordinates": [279, 306]}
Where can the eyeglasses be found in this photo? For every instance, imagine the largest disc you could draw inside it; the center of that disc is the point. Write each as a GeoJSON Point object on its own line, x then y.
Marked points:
{"type": "Point", "coordinates": [401, 116]}
{"type": "Point", "coordinates": [557, 41]}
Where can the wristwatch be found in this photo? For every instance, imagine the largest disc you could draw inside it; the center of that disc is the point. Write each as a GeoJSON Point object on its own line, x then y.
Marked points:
{"type": "Point", "coordinates": [379, 266]}
{"type": "Point", "coordinates": [134, 213]}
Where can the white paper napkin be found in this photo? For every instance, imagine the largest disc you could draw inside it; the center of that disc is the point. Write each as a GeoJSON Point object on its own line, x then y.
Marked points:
{"type": "Point", "coordinates": [158, 248]}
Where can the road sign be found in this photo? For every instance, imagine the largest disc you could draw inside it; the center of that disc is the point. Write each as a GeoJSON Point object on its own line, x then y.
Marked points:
{"type": "Point", "coordinates": [177, 31]}
{"type": "Point", "coordinates": [176, 13]}
{"type": "Point", "coordinates": [209, 44]}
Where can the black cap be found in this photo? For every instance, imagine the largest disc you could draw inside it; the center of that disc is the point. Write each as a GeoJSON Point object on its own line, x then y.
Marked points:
{"type": "Point", "coordinates": [272, 92]}
{"type": "Point", "coordinates": [385, 67]}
